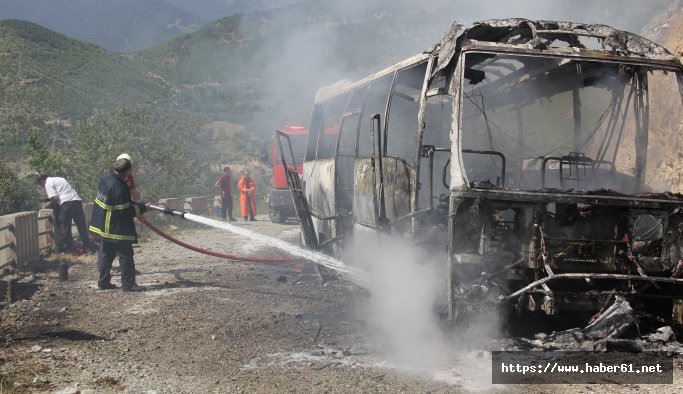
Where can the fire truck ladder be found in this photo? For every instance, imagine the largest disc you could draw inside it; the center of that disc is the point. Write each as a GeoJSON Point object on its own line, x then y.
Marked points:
{"type": "Point", "coordinates": [294, 183]}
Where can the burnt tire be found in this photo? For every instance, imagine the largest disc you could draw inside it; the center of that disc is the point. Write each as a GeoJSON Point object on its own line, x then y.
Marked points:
{"type": "Point", "coordinates": [276, 217]}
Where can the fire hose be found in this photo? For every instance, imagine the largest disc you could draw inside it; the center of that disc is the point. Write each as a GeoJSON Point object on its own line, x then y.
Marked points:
{"type": "Point", "coordinates": [176, 241]}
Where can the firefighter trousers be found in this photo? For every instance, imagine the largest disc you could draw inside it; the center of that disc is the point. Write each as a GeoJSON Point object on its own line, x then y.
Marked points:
{"type": "Point", "coordinates": [107, 253]}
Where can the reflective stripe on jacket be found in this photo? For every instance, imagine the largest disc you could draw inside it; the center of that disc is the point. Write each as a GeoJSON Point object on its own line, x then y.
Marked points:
{"type": "Point", "coordinates": [113, 212]}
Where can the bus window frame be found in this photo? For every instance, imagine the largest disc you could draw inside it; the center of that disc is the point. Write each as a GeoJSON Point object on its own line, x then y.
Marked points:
{"type": "Point", "coordinates": [322, 129]}
{"type": "Point", "coordinates": [387, 114]}
{"type": "Point", "coordinates": [350, 113]}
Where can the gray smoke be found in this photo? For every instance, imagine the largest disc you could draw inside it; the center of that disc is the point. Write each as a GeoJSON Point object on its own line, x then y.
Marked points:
{"type": "Point", "coordinates": [316, 43]}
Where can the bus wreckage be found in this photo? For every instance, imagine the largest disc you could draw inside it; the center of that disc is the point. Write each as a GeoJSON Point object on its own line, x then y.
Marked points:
{"type": "Point", "coordinates": [525, 153]}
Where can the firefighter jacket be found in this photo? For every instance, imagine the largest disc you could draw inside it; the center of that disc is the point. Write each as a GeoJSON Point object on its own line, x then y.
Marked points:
{"type": "Point", "coordinates": [113, 212]}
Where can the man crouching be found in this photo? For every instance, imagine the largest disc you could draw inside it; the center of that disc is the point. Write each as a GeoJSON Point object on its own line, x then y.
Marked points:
{"type": "Point", "coordinates": [112, 220]}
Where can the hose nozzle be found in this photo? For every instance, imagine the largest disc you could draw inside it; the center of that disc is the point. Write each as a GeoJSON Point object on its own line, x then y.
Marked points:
{"type": "Point", "coordinates": [167, 211]}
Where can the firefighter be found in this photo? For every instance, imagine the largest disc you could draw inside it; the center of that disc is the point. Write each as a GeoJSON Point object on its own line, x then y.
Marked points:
{"type": "Point", "coordinates": [112, 220]}
{"type": "Point", "coordinates": [247, 187]}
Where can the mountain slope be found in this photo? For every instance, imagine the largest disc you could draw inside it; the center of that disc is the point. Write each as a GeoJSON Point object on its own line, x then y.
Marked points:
{"type": "Point", "coordinates": [134, 25]}
{"type": "Point", "coordinates": [254, 68]}
{"type": "Point", "coordinates": [665, 155]}
{"type": "Point", "coordinates": [128, 25]}
{"type": "Point", "coordinates": [262, 66]}
{"type": "Point", "coordinates": [117, 25]}
{"type": "Point", "coordinates": [267, 65]}
{"type": "Point", "coordinates": [48, 80]}
{"type": "Point", "coordinates": [215, 9]}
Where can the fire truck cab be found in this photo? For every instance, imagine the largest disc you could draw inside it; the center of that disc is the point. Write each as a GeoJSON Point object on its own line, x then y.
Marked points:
{"type": "Point", "coordinates": [279, 200]}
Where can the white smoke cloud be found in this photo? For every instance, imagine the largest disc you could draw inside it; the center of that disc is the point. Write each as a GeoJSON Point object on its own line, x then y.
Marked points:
{"type": "Point", "coordinates": [405, 316]}
{"type": "Point", "coordinates": [405, 290]}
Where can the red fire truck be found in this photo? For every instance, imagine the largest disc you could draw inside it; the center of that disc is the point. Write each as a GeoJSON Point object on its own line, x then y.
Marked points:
{"type": "Point", "coordinates": [280, 205]}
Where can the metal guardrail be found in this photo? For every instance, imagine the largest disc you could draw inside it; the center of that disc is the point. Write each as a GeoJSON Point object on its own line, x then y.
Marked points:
{"type": "Point", "coordinates": [49, 219]}
{"type": "Point", "coordinates": [10, 262]}
{"type": "Point", "coordinates": [23, 250]}
{"type": "Point", "coordinates": [7, 245]}
{"type": "Point", "coordinates": [46, 232]}
{"type": "Point", "coordinates": [7, 264]}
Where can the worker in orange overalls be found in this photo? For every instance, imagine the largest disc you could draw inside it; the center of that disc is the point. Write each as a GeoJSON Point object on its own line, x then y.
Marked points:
{"type": "Point", "coordinates": [247, 187]}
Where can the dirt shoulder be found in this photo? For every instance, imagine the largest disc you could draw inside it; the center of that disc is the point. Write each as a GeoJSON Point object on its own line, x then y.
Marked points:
{"type": "Point", "coordinates": [206, 324]}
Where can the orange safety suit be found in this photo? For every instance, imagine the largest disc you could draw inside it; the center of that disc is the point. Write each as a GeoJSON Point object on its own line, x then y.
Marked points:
{"type": "Point", "coordinates": [247, 187]}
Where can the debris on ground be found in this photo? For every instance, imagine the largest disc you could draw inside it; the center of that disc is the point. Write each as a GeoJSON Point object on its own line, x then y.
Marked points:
{"type": "Point", "coordinates": [602, 334]}
{"type": "Point", "coordinates": [616, 319]}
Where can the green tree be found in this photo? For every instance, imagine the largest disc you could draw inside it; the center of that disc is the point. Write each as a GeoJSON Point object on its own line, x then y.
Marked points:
{"type": "Point", "coordinates": [15, 194]}
{"type": "Point", "coordinates": [160, 147]}
{"type": "Point", "coordinates": [41, 158]}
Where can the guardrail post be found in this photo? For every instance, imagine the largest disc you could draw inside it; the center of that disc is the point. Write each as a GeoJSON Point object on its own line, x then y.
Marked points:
{"type": "Point", "coordinates": [6, 243]}
{"type": "Point", "coordinates": [24, 234]}
{"type": "Point", "coordinates": [187, 204]}
{"type": "Point", "coordinates": [46, 234]}
{"type": "Point", "coordinates": [199, 205]}
{"type": "Point", "coordinates": [172, 203]}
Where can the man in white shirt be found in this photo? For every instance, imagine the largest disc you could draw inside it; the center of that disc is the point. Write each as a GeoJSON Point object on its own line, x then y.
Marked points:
{"type": "Point", "coordinates": [66, 203]}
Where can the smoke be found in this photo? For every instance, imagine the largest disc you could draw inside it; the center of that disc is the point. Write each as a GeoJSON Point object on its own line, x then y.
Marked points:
{"type": "Point", "coordinates": [404, 293]}
{"type": "Point", "coordinates": [311, 44]}
{"type": "Point", "coordinates": [406, 315]}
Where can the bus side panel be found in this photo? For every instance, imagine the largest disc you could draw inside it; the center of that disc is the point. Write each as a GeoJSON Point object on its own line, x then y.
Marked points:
{"type": "Point", "coordinates": [398, 178]}
{"type": "Point", "coordinates": [319, 188]}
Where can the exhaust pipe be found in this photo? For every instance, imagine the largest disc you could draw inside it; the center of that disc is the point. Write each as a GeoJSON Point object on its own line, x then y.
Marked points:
{"type": "Point", "coordinates": [167, 211]}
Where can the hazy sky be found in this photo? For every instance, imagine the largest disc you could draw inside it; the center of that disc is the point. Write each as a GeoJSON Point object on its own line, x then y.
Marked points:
{"type": "Point", "coordinates": [81, 18]}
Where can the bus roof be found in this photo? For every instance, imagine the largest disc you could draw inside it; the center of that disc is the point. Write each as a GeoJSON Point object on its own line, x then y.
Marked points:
{"type": "Point", "coordinates": [327, 92]}
{"type": "Point", "coordinates": [523, 35]}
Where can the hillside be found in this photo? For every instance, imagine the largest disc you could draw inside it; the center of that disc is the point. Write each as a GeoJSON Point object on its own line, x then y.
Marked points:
{"type": "Point", "coordinates": [147, 23]}
{"type": "Point", "coordinates": [48, 81]}
{"type": "Point", "coordinates": [127, 25]}
{"type": "Point", "coordinates": [117, 25]}
{"type": "Point", "coordinates": [254, 68]}
{"type": "Point", "coordinates": [667, 163]}
{"type": "Point", "coordinates": [214, 9]}
{"type": "Point", "coordinates": [259, 67]}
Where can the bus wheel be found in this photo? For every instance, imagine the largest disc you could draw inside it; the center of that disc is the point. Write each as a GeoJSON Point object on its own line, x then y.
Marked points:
{"type": "Point", "coordinates": [276, 217]}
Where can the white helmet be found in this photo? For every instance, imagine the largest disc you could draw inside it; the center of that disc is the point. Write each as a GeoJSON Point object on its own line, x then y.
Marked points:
{"type": "Point", "coordinates": [124, 156]}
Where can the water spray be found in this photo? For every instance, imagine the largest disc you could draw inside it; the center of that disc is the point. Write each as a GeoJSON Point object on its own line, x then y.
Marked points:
{"type": "Point", "coordinates": [302, 254]}
{"type": "Point", "coordinates": [211, 252]}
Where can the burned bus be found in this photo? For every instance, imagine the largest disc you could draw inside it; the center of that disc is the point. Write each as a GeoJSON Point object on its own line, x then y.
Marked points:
{"type": "Point", "coordinates": [525, 152]}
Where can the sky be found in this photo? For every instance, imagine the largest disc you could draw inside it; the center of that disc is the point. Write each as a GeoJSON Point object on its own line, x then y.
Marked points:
{"type": "Point", "coordinates": [86, 19]}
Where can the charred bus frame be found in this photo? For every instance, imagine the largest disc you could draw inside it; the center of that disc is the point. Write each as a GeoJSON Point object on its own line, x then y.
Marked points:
{"type": "Point", "coordinates": [524, 149]}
